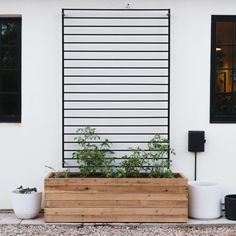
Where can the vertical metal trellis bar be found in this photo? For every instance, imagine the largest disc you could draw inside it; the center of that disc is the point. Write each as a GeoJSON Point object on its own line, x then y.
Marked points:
{"type": "Point", "coordinates": [63, 108]}
{"type": "Point", "coordinates": [169, 82]}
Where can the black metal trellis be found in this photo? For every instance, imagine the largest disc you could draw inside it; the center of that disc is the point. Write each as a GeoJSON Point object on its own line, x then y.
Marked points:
{"type": "Point", "coordinates": [115, 76]}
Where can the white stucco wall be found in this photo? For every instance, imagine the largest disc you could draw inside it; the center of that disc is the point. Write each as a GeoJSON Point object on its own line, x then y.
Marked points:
{"type": "Point", "coordinates": [25, 148]}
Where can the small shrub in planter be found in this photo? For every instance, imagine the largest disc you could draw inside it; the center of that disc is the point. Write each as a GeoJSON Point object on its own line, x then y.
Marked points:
{"type": "Point", "coordinates": [26, 202]}
{"type": "Point", "coordinates": [142, 189]}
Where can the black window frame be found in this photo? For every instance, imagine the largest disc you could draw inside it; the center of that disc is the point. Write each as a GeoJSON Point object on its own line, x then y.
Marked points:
{"type": "Point", "coordinates": [16, 118]}
{"type": "Point", "coordinates": [214, 118]}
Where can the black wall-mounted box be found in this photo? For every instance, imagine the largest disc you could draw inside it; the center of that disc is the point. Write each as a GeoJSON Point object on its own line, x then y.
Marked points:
{"type": "Point", "coordinates": [196, 141]}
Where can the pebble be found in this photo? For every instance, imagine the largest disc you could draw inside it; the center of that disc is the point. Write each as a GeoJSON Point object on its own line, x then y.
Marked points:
{"type": "Point", "coordinates": [73, 230]}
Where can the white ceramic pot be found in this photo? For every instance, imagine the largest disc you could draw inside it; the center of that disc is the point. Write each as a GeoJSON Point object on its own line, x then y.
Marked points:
{"type": "Point", "coordinates": [26, 206]}
{"type": "Point", "coordinates": [204, 200]}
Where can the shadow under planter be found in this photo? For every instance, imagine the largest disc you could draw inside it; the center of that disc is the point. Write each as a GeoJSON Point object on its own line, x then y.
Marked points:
{"type": "Point", "coordinates": [78, 199]}
{"type": "Point", "coordinates": [230, 207]}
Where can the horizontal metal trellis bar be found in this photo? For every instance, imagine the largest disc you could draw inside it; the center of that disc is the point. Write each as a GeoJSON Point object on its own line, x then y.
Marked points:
{"type": "Point", "coordinates": [114, 142]}
{"type": "Point", "coordinates": [118, 133]}
{"type": "Point", "coordinates": [102, 50]}
{"type": "Point", "coordinates": [115, 68]}
{"type": "Point", "coordinates": [97, 100]}
{"type": "Point", "coordinates": [114, 59]}
{"type": "Point", "coordinates": [118, 158]}
{"type": "Point", "coordinates": [113, 150]}
{"type": "Point", "coordinates": [114, 92]}
{"type": "Point", "coordinates": [114, 109]}
{"type": "Point", "coordinates": [113, 9]}
{"type": "Point", "coordinates": [115, 17]}
{"type": "Point", "coordinates": [116, 125]}
{"type": "Point", "coordinates": [114, 166]}
{"type": "Point", "coordinates": [115, 117]}
{"type": "Point", "coordinates": [109, 42]}
{"type": "Point", "coordinates": [128, 26]}
{"type": "Point", "coordinates": [97, 84]}
{"type": "Point", "coordinates": [109, 34]}
{"type": "Point", "coordinates": [120, 76]}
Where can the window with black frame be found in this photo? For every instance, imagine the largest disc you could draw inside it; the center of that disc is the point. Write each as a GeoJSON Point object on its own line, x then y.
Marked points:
{"type": "Point", "coordinates": [10, 69]}
{"type": "Point", "coordinates": [223, 69]}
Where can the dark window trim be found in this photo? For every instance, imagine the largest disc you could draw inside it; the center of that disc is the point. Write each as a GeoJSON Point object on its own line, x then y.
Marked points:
{"type": "Point", "coordinates": [213, 117]}
{"type": "Point", "coordinates": [16, 118]}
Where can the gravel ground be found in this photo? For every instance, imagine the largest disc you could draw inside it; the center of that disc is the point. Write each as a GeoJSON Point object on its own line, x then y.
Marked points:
{"type": "Point", "coordinates": [70, 230]}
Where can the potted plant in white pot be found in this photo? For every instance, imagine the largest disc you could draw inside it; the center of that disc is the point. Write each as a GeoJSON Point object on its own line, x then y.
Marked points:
{"type": "Point", "coordinates": [26, 202]}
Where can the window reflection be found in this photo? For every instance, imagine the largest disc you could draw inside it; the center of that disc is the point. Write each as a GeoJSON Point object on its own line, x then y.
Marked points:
{"type": "Point", "coordinates": [8, 81]}
{"type": "Point", "coordinates": [9, 57]}
{"type": "Point", "coordinates": [225, 74]}
{"type": "Point", "coordinates": [8, 104]}
{"type": "Point", "coordinates": [9, 33]}
{"type": "Point", "coordinates": [224, 32]}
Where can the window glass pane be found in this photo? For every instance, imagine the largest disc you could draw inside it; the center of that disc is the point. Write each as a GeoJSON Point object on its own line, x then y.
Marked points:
{"type": "Point", "coordinates": [224, 57]}
{"type": "Point", "coordinates": [9, 33]}
{"type": "Point", "coordinates": [225, 96]}
{"type": "Point", "coordinates": [224, 32]}
{"type": "Point", "coordinates": [8, 81]}
{"type": "Point", "coordinates": [225, 105]}
{"type": "Point", "coordinates": [10, 69]}
{"type": "Point", "coordinates": [8, 104]}
{"type": "Point", "coordinates": [223, 82]}
{"type": "Point", "coordinates": [233, 82]}
{"type": "Point", "coordinates": [234, 56]}
{"type": "Point", "coordinates": [9, 57]}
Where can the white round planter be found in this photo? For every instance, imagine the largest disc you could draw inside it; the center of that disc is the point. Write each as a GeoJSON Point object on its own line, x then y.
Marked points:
{"type": "Point", "coordinates": [26, 206]}
{"type": "Point", "coordinates": [204, 200]}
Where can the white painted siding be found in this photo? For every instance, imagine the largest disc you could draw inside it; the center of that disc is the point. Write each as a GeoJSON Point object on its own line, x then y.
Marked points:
{"type": "Point", "coordinates": [26, 147]}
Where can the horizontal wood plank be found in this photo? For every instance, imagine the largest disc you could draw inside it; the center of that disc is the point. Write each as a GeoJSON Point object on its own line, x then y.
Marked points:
{"type": "Point", "coordinates": [117, 181]}
{"type": "Point", "coordinates": [115, 218]}
{"type": "Point", "coordinates": [115, 203]}
{"type": "Point", "coordinates": [115, 189]}
{"type": "Point", "coordinates": [116, 211]}
{"type": "Point", "coordinates": [66, 195]}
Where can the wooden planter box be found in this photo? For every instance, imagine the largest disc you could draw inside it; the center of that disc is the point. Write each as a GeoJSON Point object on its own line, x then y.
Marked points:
{"type": "Point", "coordinates": [116, 200]}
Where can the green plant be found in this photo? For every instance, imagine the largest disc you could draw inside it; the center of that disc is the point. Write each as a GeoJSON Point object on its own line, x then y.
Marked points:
{"type": "Point", "coordinates": [114, 172]}
{"type": "Point", "coordinates": [92, 154]}
{"type": "Point", "coordinates": [94, 157]}
{"type": "Point", "coordinates": [152, 162]}
{"type": "Point", "coordinates": [158, 164]}
{"type": "Point", "coordinates": [26, 190]}
{"type": "Point", "coordinates": [161, 170]}
{"type": "Point", "coordinates": [130, 166]}
{"type": "Point", "coordinates": [133, 165]}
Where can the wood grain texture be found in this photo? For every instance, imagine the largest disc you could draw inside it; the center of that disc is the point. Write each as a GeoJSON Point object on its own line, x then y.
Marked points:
{"type": "Point", "coordinates": [115, 218]}
{"type": "Point", "coordinates": [70, 195]}
{"type": "Point", "coordinates": [116, 211]}
{"type": "Point", "coordinates": [116, 203]}
{"type": "Point", "coordinates": [115, 189]}
{"type": "Point", "coordinates": [116, 200]}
